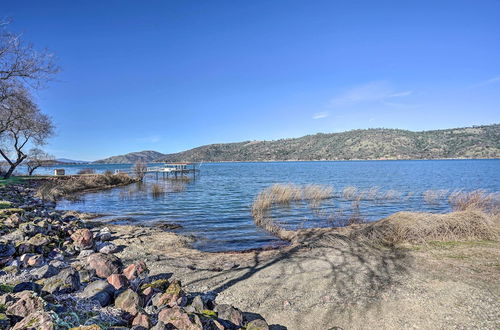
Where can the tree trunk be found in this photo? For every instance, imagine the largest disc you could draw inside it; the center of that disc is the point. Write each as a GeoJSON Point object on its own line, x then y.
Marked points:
{"type": "Point", "coordinates": [13, 167]}
{"type": "Point", "coordinates": [9, 172]}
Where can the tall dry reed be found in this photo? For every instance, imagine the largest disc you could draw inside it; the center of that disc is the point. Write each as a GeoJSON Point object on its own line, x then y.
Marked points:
{"type": "Point", "coordinates": [475, 200]}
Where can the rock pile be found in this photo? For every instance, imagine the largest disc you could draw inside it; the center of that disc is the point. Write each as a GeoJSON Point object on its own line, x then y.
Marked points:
{"type": "Point", "coordinates": [56, 272]}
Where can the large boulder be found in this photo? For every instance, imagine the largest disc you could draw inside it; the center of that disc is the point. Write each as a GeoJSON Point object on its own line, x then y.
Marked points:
{"type": "Point", "coordinates": [173, 296]}
{"type": "Point", "coordinates": [178, 318]}
{"type": "Point", "coordinates": [104, 264]}
{"type": "Point", "coordinates": [118, 281]}
{"type": "Point", "coordinates": [39, 320]}
{"type": "Point", "coordinates": [129, 302]}
{"type": "Point", "coordinates": [83, 239]}
{"type": "Point", "coordinates": [28, 303]}
{"type": "Point", "coordinates": [230, 313]}
{"type": "Point", "coordinates": [142, 320]}
{"type": "Point", "coordinates": [135, 270]}
{"type": "Point", "coordinates": [66, 281]}
{"type": "Point", "coordinates": [39, 240]}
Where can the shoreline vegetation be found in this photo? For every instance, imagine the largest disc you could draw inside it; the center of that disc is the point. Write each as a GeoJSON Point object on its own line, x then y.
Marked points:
{"type": "Point", "coordinates": [71, 272]}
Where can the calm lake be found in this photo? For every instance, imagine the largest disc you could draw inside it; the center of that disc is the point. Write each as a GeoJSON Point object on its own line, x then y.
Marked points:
{"type": "Point", "coordinates": [216, 206]}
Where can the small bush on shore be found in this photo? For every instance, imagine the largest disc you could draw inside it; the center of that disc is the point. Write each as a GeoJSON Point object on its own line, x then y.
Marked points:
{"type": "Point", "coordinates": [86, 171]}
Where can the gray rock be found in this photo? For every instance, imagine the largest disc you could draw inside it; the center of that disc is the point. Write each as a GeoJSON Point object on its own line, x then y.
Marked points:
{"type": "Point", "coordinates": [6, 250]}
{"type": "Point", "coordinates": [100, 291]}
{"type": "Point", "coordinates": [229, 313]}
{"type": "Point", "coordinates": [86, 275]}
{"type": "Point", "coordinates": [85, 253]}
{"type": "Point", "coordinates": [257, 324]}
{"type": "Point", "coordinates": [58, 264]}
{"type": "Point", "coordinates": [29, 228]}
{"type": "Point", "coordinates": [104, 264]}
{"type": "Point", "coordinates": [27, 286]}
{"type": "Point", "coordinates": [66, 281]}
{"type": "Point", "coordinates": [198, 304]}
{"type": "Point", "coordinates": [129, 302]}
{"type": "Point", "coordinates": [44, 272]}
{"type": "Point", "coordinates": [16, 235]}
{"type": "Point", "coordinates": [108, 248]}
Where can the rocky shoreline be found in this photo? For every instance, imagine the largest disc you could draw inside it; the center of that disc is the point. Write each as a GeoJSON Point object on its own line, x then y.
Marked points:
{"type": "Point", "coordinates": [58, 271]}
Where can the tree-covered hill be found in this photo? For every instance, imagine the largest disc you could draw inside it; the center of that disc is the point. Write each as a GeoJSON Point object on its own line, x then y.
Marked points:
{"type": "Point", "coordinates": [468, 142]}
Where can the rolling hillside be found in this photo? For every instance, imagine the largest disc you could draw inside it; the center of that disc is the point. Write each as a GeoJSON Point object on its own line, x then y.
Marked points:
{"type": "Point", "coordinates": [468, 142]}
{"type": "Point", "coordinates": [130, 158]}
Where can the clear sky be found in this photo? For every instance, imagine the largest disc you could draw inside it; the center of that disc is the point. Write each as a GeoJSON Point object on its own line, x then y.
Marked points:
{"type": "Point", "coordinates": [172, 75]}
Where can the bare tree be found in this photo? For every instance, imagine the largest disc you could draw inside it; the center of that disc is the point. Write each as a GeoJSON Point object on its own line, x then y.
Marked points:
{"type": "Point", "coordinates": [36, 158]}
{"type": "Point", "coordinates": [140, 169]}
{"type": "Point", "coordinates": [22, 68]}
{"type": "Point", "coordinates": [21, 63]}
{"type": "Point", "coordinates": [21, 125]}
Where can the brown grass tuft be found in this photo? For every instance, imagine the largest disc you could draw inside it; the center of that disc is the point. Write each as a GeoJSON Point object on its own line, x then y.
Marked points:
{"type": "Point", "coordinates": [434, 196]}
{"type": "Point", "coordinates": [350, 192]}
{"type": "Point", "coordinates": [414, 227]}
{"type": "Point", "coordinates": [475, 200]}
{"type": "Point", "coordinates": [157, 190]}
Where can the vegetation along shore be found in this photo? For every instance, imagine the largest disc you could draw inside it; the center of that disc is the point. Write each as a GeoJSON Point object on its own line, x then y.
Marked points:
{"type": "Point", "coordinates": [63, 269]}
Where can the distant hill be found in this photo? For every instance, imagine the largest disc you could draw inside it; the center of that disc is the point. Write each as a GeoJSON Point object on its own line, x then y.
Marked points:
{"type": "Point", "coordinates": [133, 157]}
{"type": "Point", "coordinates": [71, 161]}
{"type": "Point", "coordinates": [378, 143]}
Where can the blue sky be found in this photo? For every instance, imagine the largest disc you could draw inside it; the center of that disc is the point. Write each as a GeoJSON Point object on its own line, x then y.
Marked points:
{"type": "Point", "coordinates": [172, 75]}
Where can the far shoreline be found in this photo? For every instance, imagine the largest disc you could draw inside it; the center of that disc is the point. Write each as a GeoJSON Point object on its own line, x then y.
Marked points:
{"type": "Point", "coordinates": [294, 160]}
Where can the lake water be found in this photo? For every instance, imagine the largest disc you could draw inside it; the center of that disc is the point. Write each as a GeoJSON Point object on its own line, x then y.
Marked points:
{"type": "Point", "coordinates": [215, 207]}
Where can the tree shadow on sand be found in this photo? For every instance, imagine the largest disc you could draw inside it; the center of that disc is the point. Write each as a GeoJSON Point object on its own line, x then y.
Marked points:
{"type": "Point", "coordinates": [326, 271]}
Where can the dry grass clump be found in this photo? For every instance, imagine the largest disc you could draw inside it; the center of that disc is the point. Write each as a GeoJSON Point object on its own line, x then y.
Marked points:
{"type": "Point", "coordinates": [157, 190]}
{"type": "Point", "coordinates": [414, 227]}
{"type": "Point", "coordinates": [63, 187]}
{"type": "Point", "coordinates": [284, 194]}
{"type": "Point", "coordinates": [434, 196]}
{"type": "Point", "coordinates": [475, 200]}
{"type": "Point", "coordinates": [314, 194]}
{"type": "Point", "coordinates": [350, 192]}
{"type": "Point", "coordinates": [371, 194]}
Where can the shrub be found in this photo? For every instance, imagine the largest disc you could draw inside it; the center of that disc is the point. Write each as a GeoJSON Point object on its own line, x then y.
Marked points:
{"type": "Point", "coordinates": [140, 168]}
{"type": "Point", "coordinates": [86, 171]}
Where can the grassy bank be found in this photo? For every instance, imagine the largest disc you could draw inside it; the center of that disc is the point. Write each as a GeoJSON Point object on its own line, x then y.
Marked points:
{"type": "Point", "coordinates": [62, 187]}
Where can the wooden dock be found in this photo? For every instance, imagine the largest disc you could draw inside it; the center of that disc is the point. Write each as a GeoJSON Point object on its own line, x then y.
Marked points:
{"type": "Point", "coordinates": [169, 170]}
